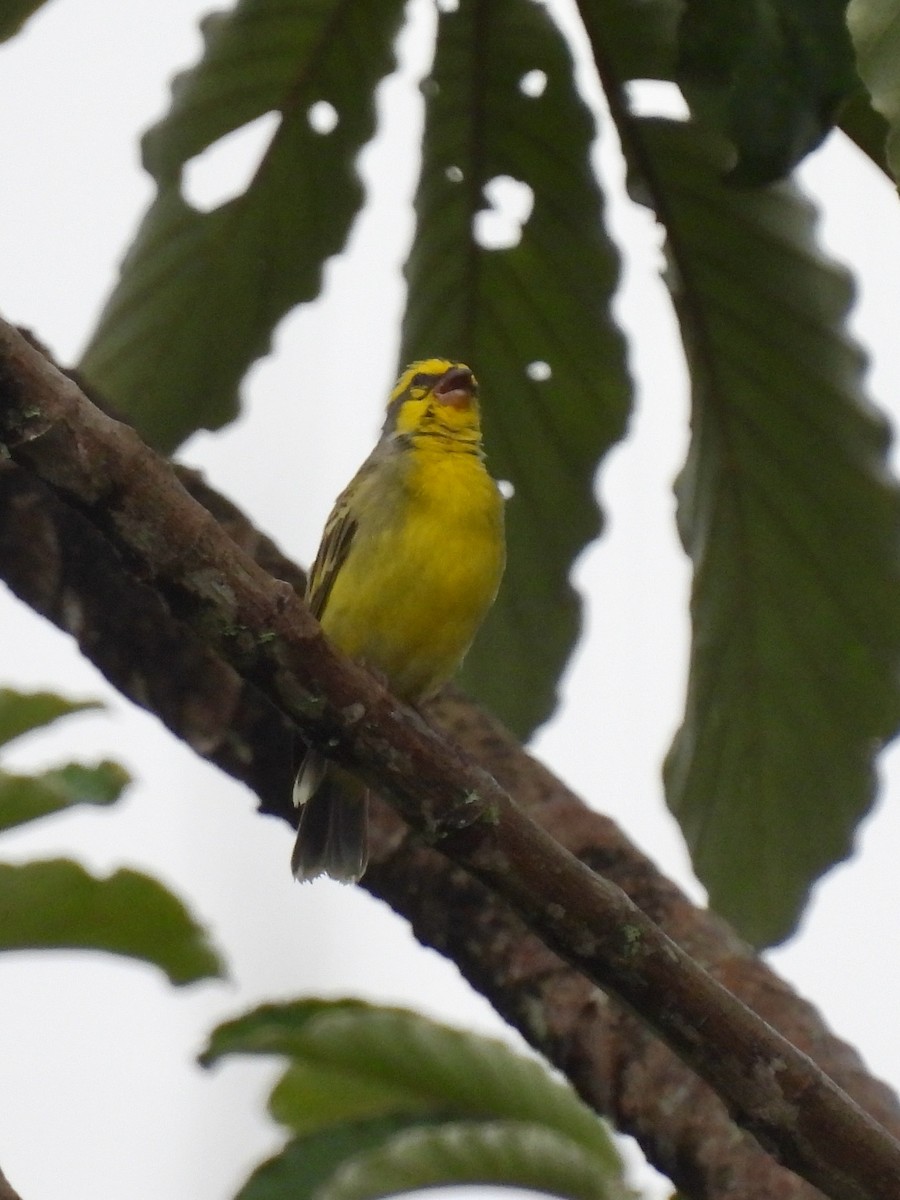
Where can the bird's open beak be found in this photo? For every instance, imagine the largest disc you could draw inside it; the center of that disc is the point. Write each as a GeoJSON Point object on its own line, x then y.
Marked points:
{"type": "Point", "coordinates": [457, 389]}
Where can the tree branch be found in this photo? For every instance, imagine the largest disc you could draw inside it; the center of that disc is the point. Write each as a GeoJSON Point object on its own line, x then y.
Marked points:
{"type": "Point", "coordinates": [133, 499]}
{"type": "Point", "coordinates": [6, 1189]}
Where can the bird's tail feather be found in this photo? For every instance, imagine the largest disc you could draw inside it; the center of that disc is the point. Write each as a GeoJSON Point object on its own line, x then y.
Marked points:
{"type": "Point", "coordinates": [331, 835]}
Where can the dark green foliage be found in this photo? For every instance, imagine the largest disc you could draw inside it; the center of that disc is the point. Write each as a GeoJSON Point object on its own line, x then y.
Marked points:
{"type": "Point", "coordinates": [785, 503]}
{"type": "Point", "coordinates": [201, 293]}
{"type": "Point", "coordinates": [545, 300]}
{"type": "Point", "coordinates": [794, 530]}
{"type": "Point", "coordinates": [771, 72]}
{"type": "Point", "coordinates": [14, 14]}
{"type": "Point", "coordinates": [382, 1101]}
{"type": "Point", "coordinates": [59, 905]}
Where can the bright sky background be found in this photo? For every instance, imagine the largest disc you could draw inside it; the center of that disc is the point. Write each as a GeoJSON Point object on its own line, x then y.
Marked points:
{"type": "Point", "coordinates": [99, 1094]}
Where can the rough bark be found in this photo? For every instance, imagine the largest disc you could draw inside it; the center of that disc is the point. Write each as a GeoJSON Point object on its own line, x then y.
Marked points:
{"type": "Point", "coordinates": [91, 511]}
{"type": "Point", "coordinates": [6, 1189]}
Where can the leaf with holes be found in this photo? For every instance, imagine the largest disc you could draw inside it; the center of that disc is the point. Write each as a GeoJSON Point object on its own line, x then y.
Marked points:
{"type": "Point", "coordinates": [531, 316]}
{"type": "Point", "coordinates": [643, 39]}
{"type": "Point", "coordinates": [793, 526]}
{"type": "Point", "coordinates": [58, 905]}
{"type": "Point", "coordinates": [200, 293]}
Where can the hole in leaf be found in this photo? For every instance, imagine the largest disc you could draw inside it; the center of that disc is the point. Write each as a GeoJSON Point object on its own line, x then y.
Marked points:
{"type": "Point", "coordinates": [454, 174]}
{"type": "Point", "coordinates": [507, 488]}
{"type": "Point", "coordinates": [224, 170]}
{"type": "Point", "coordinates": [500, 226]}
{"type": "Point", "coordinates": [322, 117]}
{"type": "Point", "coordinates": [533, 83]}
{"type": "Point", "coordinates": [657, 98]}
{"type": "Point", "coordinates": [539, 371]}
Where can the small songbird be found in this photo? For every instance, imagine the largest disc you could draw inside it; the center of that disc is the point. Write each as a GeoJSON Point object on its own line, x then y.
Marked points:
{"type": "Point", "coordinates": [409, 564]}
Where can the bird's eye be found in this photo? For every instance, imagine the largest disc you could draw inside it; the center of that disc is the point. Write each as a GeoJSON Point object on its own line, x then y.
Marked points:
{"type": "Point", "coordinates": [422, 380]}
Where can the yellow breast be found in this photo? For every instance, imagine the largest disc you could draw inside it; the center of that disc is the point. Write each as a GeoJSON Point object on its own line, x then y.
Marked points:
{"type": "Point", "coordinates": [423, 568]}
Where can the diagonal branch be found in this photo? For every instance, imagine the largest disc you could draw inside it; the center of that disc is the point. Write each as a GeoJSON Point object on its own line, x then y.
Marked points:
{"type": "Point", "coordinates": [59, 565]}
{"type": "Point", "coordinates": [6, 1189]}
{"type": "Point", "coordinates": [134, 500]}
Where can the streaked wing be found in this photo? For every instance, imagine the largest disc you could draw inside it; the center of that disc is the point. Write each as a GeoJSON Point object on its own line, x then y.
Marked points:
{"type": "Point", "coordinates": [340, 531]}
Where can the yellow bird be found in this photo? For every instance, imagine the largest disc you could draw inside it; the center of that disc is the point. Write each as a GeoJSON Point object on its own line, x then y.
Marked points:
{"type": "Point", "coordinates": [409, 564]}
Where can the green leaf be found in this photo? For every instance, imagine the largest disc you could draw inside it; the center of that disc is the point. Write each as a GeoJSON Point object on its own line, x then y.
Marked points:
{"type": "Point", "coordinates": [544, 300]}
{"type": "Point", "coordinates": [26, 797]}
{"type": "Point", "coordinates": [14, 14]}
{"type": "Point", "coordinates": [306, 1163]}
{"type": "Point", "coordinates": [507, 1153]}
{"type": "Point", "coordinates": [275, 1028]}
{"type": "Point", "coordinates": [875, 30]}
{"type": "Point", "coordinates": [21, 712]}
{"type": "Point", "coordinates": [422, 1063]}
{"type": "Point", "coordinates": [58, 905]}
{"type": "Point", "coordinates": [865, 126]}
{"type": "Point", "coordinates": [633, 39]}
{"type": "Point", "coordinates": [313, 1095]}
{"type": "Point", "coordinates": [200, 293]}
{"type": "Point", "coordinates": [431, 1105]}
{"type": "Point", "coordinates": [787, 511]}
{"type": "Point", "coordinates": [771, 73]}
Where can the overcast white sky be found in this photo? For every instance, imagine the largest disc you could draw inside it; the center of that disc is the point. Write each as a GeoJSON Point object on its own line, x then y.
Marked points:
{"type": "Point", "coordinates": [98, 1092]}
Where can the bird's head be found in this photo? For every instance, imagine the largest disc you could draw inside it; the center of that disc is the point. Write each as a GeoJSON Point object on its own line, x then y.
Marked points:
{"type": "Point", "coordinates": [435, 396]}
